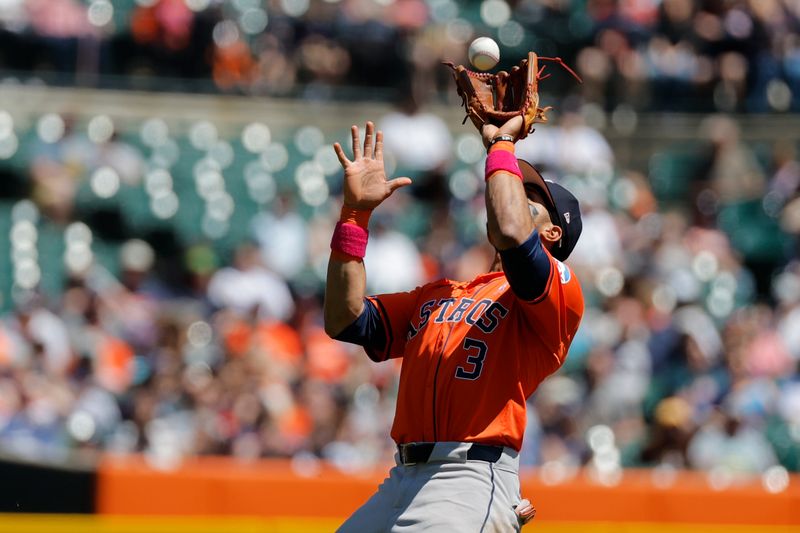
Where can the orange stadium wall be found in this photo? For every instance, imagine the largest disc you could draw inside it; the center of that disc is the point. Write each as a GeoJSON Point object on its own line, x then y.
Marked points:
{"type": "Point", "coordinates": [272, 488]}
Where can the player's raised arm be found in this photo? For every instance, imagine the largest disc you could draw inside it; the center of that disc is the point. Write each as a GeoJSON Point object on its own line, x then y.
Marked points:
{"type": "Point", "coordinates": [520, 211]}
{"type": "Point", "coordinates": [509, 216]}
{"type": "Point", "coordinates": [365, 187]}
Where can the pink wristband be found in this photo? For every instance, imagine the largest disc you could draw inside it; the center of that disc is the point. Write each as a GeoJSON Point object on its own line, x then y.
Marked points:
{"type": "Point", "coordinates": [502, 160]}
{"type": "Point", "coordinates": [350, 239]}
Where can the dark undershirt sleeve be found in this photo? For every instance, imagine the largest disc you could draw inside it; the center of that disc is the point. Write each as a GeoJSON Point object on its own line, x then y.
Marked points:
{"type": "Point", "coordinates": [367, 330]}
{"type": "Point", "coordinates": [527, 268]}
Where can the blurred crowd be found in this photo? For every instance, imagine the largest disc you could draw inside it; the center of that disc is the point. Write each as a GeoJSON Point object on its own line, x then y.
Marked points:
{"type": "Point", "coordinates": [669, 55]}
{"type": "Point", "coordinates": [687, 356]}
{"type": "Point", "coordinates": [183, 315]}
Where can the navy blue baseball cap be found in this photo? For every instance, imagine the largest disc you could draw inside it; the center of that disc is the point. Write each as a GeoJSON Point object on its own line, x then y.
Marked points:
{"type": "Point", "coordinates": [563, 207]}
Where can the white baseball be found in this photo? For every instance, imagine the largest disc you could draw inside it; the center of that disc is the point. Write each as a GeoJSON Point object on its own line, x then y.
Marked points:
{"type": "Point", "coordinates": [484, 53]}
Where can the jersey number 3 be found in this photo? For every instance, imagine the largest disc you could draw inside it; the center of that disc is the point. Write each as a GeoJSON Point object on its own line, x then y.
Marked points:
{"type": "Point", "coordinates": [476, 359]}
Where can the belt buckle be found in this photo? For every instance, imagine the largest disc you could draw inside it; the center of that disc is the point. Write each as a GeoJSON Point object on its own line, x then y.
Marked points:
{"type": "Point", "coordinates": [402, 449]}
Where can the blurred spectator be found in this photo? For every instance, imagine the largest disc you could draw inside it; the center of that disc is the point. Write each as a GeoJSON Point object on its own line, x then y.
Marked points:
{"type": "Point", "coordinates": [282, 237]}
{"type": "Point", "coordinates": [233, 65]}
{"type": "Point", "coordinates": [393, 263]}
{"type": "Point", "coordinates": [571, 147]}
{"type": "Point", "coordinates": [58, 19]}
{"type": "Point", "coordinates": [164, 23]}
{"type": "Point", "coordinates": [276, 72]}
{"type": "Point", "coordinates": [419, 141]}
{"type": "Point", "coordinates": [37, 339]}
{"type": "Point", "coordinates": [670, 434]}
{"type": "Point", "coordinates": [420, 145]}
{"type": "Point", "coordinates": [248, 287]}
{"type": "Point", "coordinates": [729, 442]}
{"type": "Point", "coordinates": [785, 180]}
{"type": "Point", "coordinates": [734, 174]}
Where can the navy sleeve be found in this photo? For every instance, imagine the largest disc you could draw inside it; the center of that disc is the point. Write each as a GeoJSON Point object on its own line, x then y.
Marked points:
{"type": "Point", "coordinates": [527, 268]}
{"type": "Point", "coordinates": [367, 330]}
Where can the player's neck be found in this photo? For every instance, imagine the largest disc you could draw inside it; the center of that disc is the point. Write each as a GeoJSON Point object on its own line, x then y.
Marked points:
{"type": "Point", "coordinates": [497, 264]}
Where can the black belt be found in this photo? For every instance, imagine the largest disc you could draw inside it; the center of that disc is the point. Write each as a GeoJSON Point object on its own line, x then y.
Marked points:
{"type": "Point", "coordinates": [420, 452]}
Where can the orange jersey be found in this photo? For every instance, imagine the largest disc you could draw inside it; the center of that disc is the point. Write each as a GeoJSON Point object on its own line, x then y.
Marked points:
{"type": "Point", "coordinates": [473, 352]}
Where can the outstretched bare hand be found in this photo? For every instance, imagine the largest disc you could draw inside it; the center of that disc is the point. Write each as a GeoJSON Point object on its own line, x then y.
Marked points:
{"type": "Point", "coordinates": [365, 183]}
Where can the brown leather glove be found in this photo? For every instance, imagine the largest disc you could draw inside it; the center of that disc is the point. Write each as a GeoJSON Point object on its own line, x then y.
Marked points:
{"type": "Point", "coordinates": [496, 98]}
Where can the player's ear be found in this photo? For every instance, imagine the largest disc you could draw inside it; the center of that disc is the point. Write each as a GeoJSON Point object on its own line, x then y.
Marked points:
{"type": "Point", "coordinates": [551, 233]}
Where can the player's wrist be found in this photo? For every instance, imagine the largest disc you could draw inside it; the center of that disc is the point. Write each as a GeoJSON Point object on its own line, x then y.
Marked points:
{"type": "Point", "coordinates": [349, 240]}
{"type": "Point", "coordinates": [355, 215]}
{"type": "Point", "coordinates": [501, 159]}
{"type": "Point", "coordinates": [503, 141]}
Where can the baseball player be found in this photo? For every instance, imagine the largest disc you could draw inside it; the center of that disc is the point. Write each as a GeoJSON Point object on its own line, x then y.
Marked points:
{"type": "Point", "coordinates": [472, 351]}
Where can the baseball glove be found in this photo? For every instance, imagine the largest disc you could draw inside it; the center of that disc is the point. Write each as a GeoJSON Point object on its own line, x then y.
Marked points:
{"type": "Point", "coordinates": [497, 98]}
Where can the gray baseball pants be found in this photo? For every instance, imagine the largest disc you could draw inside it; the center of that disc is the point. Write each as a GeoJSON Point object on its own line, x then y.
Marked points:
{"type": "Point", "coordinates": [446, 494]}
